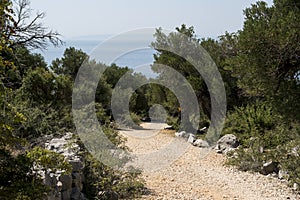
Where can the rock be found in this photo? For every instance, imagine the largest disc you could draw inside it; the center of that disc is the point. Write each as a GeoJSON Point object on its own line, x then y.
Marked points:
{"type": "Point", "coordinates": [66, 181]}
{"type": "Point", "coordinates": [169, 127]}
{"type": "Point", "coordinates": [220, 148]}
{"type": "Point", "coordinates": [182, 134]}
{"type": "Point", "coordinates": [226, 143]}
{"type": "Point", "coordinates": [76, 165]}
{"type": "Point", "coordinates": [296, 187]}
{"type": "Point", "coordinates": [282, 174]}
{"type": "Point", "coordinates": [50, 179]}
{"type": "Point", "coordinates": [229, 140]}
{"type": "Point", "coordinates": [68, 136]}
{"type": "Point", "coordinates": [65, 186]}
{"type": "Point", "coordinates": [66, 195]}
{"type": "Point", "coordinates": [77, 180]}
{"type": "Point", "coordinates": [191, 138]}
{"type": "Point", "coordinates": [201, 143]}
{"type": "Point", "coordinates": [59, 185]}
{"type": "Point", "coordinates": [75, 194]}
{"type": "Point", "coordinates": [269, 168]}
{"type": "Point", "coordinates": [295, 151]}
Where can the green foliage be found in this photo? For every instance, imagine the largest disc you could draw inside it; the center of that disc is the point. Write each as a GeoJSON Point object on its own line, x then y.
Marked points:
{"type": "Point", "coordinates": [174, 122]}
{"type": "Point", "coordinates": [264, 57]}
{"type": "Point", "coordinates": [113, 73]}
{"type": "Point", "coordinates": [38, 87]}
{"type": "Point", "coordinates": [175, 40]}
{"type": "Point", "coordinates": [267, 61]}
{"type": "Point", "coordinates": [10, 119]}
{"type": "Point", "coordinates": [44, 98]}
{"type": "Point", "coordinates": [254, 120]}
{"type": "Point", "coordinates": [290, 160]}
{"type": "Point", "coordinates": [113, 135]}
{"type": "Point", "coordinates": [35, 102]}
{"type": "Point", "coordinates": [49, 160]}
{"type": "Point", "coordinates": [103, 182]}
{"type": "Point", "coordinates": [220, 51]}
{"type": "Point", "coordinates": [264, 136]}
{"type": "Point", "coordinates": [70, 63]}
{"type": "Point", "coordinates": [24, 61]}
{"type": "Point", "coordinates": [259, 65]}
{"type": "Point", "coordinates": [17, 180]}
{"type": "Point", "coordinates": [135, 118]}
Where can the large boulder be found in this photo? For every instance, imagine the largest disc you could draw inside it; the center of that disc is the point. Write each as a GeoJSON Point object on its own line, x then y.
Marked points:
{"type": "Point", "coordinates": [227, 143]}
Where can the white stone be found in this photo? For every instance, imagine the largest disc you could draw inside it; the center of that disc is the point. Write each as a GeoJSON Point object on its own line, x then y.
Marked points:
{"type": "Point", "coordinates": [191, 138]}
{"type": "Point", "coordinates": [201, 143]}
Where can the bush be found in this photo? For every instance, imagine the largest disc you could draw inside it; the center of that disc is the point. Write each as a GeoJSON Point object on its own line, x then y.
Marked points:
{"type": "Point", "coordinates": [256, 121]}
{"type": "Point", "coordinates": [15, 171]}
{"type": "Point", "coordinates": [264, 136]}
{"type": "Point", "coordinates": [18, 180]}
{"type": "Point", "coordinates": [102, 182]}
{"type": "Point", "coordinates": [132, 120]}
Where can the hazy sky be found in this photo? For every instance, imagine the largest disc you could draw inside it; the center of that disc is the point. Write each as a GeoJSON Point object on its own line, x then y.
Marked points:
{"type": "Point", "coordinates": [74, 18]}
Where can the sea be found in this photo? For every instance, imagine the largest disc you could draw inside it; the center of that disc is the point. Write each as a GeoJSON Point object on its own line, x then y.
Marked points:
{"type": "Point", "coordinates": [139, 60]}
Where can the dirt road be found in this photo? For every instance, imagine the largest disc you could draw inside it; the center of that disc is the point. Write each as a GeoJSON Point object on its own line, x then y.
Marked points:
{"type": "Point", "coordinates": [174, 169]}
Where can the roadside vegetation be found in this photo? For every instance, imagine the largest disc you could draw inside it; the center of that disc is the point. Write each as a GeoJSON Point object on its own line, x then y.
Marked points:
{"type": "Point", "coordinates": [259, 64]}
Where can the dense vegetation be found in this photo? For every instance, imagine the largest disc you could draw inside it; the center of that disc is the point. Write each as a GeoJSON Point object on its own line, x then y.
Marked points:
{"type": "Point", "coordinates": [36, 101]}
{"type": "Point", "coordinates": [260, 66]}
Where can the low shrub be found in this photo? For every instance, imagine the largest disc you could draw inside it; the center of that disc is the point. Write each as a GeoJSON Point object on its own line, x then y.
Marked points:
{"type": "Point", "coordinates": [264, 136]}
{"type": "Point", "coordinates": [102, 182]}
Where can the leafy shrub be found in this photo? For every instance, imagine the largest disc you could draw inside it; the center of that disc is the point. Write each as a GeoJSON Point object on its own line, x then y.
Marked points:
{"type": "Point", "coordinates": [102, 182]}
{"type": "Point", "coordinates": [135, 118]}
{"type": "Point", "coordinates": [18, 180]}
{"type": "Point", "coordinates": [255, 121]}
{"type": "Point", "coordinates": [264, 137]}
{"type": "Point", "coordinates": [290, 156]}
{"type": "Point", "coordinates": [49, 159]}
{"type": "Point", "coordinates": [132, 120]}
{"type": "Point", "coordinates": [174, 122]}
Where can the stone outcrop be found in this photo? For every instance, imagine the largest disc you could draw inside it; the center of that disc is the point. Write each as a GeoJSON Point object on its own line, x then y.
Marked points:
{"type": "Point", "coordinates": [65, 186]}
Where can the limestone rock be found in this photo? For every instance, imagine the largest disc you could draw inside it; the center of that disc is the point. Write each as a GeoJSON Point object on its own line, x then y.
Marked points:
{"type": "Point", "coordinates": [65, 186]}
{"type": "Point", "coordinates": [201, 143]}
{"type": "Point", "coordinates": [282, 174]}
{"type": "Point", "coordinates": [66, 181]}
{"type": "Point", "coordinates": [76, 165]}
{"type": "Point", "coordinates": [182, 134]}
{"type": "Point", "coordinates": [191, 138]}
{"type": "Point", "coordinates": [226, 143]}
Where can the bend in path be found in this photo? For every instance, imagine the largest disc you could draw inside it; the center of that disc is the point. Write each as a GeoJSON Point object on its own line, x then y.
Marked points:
{"type": "Point", "coordinates": [196, 173]}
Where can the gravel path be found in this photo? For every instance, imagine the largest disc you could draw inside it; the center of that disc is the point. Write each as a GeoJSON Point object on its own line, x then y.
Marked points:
{"type": "Point", "coordinates": [174, 169]}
